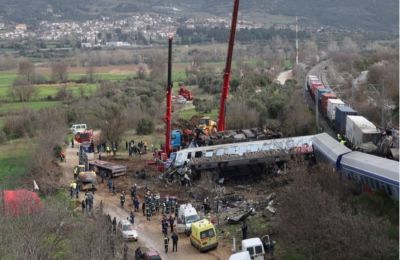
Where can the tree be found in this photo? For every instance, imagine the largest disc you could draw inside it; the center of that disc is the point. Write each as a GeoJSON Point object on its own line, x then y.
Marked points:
{"type": "Point", "coordinates": [26, 70]}
{"type": "Point", "coordinates": [22, 89]}
{"type": "Point", "coordinates": [111, 118]}
{"type": "Point", "coordinates": [239, 115]}
{"type": "Point", "coordinates": [90, 73]}
{"type": "Point", "coordinates": [59, 71]}
{"type": "Point", "coordinates": [141, 72]}
{"type": "Point", "coordinates": [158, 67]}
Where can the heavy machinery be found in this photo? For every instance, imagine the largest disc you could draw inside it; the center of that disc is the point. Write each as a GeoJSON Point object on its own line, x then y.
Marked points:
{"type": "Point", "coordinates": [227, 71]}
{"type": "Point", "coordinates": [186, 93]}
{"type": "Point", "coordinates": [84, 136]}
{"type": "Point", "coordinates": [207, 125]}
{"type": "Point", "coordinates": [85, 179]}
{"type": "Point", "coordinates": [167, 146]}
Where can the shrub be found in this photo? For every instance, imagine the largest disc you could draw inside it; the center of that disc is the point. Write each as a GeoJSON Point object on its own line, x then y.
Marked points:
{"type": "Point", "coordinates": [145, 126]}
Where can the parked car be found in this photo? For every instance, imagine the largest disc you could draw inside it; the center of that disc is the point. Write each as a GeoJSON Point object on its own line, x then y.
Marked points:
{"type": "Point", "coordinates": [151, 255]}
{"type": "Point", "coordinates": [78, 128]}
{"type": "Point", "coordinates": [127, 230]}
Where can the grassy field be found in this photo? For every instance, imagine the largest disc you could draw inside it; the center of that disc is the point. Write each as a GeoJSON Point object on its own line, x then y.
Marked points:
{"type": "Point", "coordinates": [189, 113]}
{"type": "Point", "coordinates": [13, 162]}
{"type": "Point", "coordinates": [15, 106]}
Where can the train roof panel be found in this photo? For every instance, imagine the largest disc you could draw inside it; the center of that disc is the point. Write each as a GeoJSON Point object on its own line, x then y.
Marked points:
{"type": "Point", "coordinates": [372, 166]}
{"type": "Point", "coordinates": [329, 147]}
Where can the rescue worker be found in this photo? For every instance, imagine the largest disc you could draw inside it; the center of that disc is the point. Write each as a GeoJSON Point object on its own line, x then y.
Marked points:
{"type": "Point", "coordinates": [110, 184]}
{"type": "Point", "coordinates": [76, 172]}
{"type": "Point", "coordinates": [171, 221]}
{"type": "Point", "coordinates": [136, 204]}
{"type": "Point", "coordinates": [148, 214]}
{"type": "Point", "coordinates": [206, 206]}
{"type": "Point", "coordinates": [132, 217]}
{"type": "Point", "coordinates": [166, 242]}
{"type": "Point", "coordinates": [244, 230]}
{"type": "Point", "coordinates": [122, 199]}
{"type": "Point", "coordinates": [83, 206]}
{"type": "Point", "coordinates": [164, 225]}
{"type": "Point", "coordinates": [157, 202]}
{"type": "Point", "coordinates": [114, 224]}
{"type": "Point", "coordinates": [174, 242]}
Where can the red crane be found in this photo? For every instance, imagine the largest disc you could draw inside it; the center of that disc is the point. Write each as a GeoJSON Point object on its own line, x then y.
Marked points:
{"type": "Point", "coordinates": [227, 72]}
{"type": "Point", "coordinates": [167, 146]}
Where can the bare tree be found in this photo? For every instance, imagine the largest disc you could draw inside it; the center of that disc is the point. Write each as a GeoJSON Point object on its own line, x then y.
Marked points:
{"type": "Point", "coordinates": [22, 90]}
{"type": "Point", "coordinates": [315, 218]}
{"type": "Point", "coordinates": [240, 116]}
{"type": "Point", "coordinates": [59, 71]}
{"type": "Point", "coordinates": [26, 70]}
{"type": "Point", "coordinates": [158, 67]}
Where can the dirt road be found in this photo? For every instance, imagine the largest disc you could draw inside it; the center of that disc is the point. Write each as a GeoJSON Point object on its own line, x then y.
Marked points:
{"type": "Point", "coordinates": [149, 232]}
{"type": "Point", "coordinates": [284, 75]}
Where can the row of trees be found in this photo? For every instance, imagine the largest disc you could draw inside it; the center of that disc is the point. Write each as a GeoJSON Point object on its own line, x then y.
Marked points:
{"type": "Point", "coordinates": [220, 34]}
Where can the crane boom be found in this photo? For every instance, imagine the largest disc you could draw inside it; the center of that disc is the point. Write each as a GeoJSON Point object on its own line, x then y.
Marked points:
{"type": "Point", "coordinates": [227, 72]}
{"type": "Point", "coordinates": [167, 147]}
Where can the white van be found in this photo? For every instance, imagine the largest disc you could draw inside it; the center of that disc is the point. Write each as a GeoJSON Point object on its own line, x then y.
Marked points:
{"type": "Point", "coordinates": [78, 128]}
{"type": "Point", "coordinates": [187, 214]}
{"type": "Point", "coordinates": [245, 255]}
{"type": "Point", "coordinates": [255, 248]}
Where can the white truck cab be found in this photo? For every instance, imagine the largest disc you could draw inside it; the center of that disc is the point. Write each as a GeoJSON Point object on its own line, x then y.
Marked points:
{"type": "Point", "coordinates": [78, 128]}
{"type": "Point", "coordinates": [255, 248]}
{"type": "Point", "coordinates": [187, 214]}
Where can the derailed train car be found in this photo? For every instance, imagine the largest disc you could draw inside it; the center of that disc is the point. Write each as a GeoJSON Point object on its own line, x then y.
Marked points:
{"type": "Point", "coordinates": [373, 172]}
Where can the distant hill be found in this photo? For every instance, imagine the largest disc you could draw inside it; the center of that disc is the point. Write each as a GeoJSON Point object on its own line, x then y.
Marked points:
{"type": "Point", "coordinates": [372, 15]}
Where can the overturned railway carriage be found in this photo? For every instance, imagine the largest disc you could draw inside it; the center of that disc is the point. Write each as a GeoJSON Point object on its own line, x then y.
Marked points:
{"type": "Point", "coordinates": [372, 172]}
{"type": "Point", "coordinates": [248, 153]}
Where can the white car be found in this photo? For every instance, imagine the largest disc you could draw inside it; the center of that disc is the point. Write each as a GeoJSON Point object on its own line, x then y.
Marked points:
{"type": "Point", "coordinates": [127, 231]}
{"type": "Point", "coordinates": [181, 100]}
{"type": "Point", "coordinates": [78, 128]}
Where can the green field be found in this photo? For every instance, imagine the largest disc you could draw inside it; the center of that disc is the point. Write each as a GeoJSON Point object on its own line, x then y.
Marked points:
{"type": "Point", "coordinates": [35, 105]}
{"type": "Point", "coordinates": [189, 113]}
{"type": "Point", "coordinates": [6, 78]}
{"type": "Point", "coordinates": [13, 162]}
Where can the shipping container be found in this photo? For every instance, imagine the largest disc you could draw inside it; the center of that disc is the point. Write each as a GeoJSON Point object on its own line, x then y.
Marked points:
{"type": "Point", "coordinates": [340, 117]}
{"type": "Point", "coordinates": [320, 92]}
{"type": "Point", "coordinates": [331, 108]}
{"type": "Point", "coordinates": [310, 79]}
{"type": "Point", "coordinates": [360, 130]}
{"type": "Point", "coordinates": [314, 89]}
{"type": "Point", "coordinates": [324, 101]}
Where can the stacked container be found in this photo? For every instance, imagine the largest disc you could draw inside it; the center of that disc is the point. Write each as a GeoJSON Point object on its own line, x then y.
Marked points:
{"type": "Point", "coordinates": [331, 108]}
{"type": "Point", "coordinates": [340, 117]}
{"type": "Point", "coordinates": [360, 130]}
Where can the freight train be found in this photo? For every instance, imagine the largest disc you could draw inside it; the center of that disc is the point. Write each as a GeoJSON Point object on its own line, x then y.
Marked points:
{"type": "Point", "coordinates": [358, 132]}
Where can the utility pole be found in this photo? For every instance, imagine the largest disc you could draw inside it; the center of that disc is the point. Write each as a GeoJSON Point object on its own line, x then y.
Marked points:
{"type": "Point", "coordinates": [297, 43]}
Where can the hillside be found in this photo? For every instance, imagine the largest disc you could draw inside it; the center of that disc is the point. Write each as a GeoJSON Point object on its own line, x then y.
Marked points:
{"type": "Point", "coordinates": [370, 15]}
